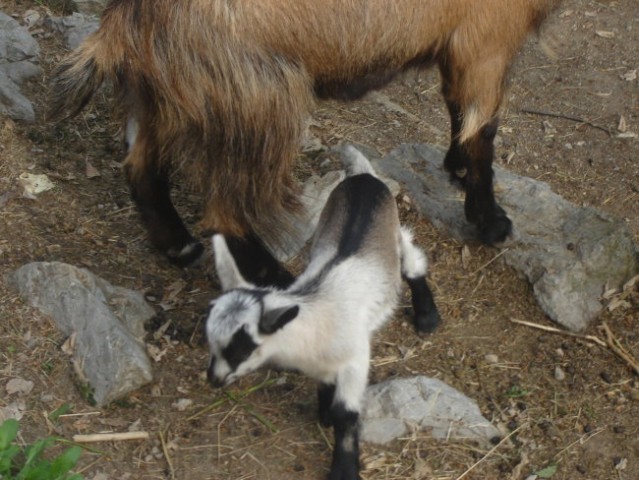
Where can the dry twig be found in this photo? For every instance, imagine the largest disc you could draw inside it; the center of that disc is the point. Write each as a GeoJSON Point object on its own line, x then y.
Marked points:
{"type": "Point", "coordinates": [167, 456]}
{"type": "Point", "coordinates": [108, 437]}
{"type": "Point", "coordinates": [587, 338]}
{"type": "Point", "coordinates": [618, 349]}
{"type": "Point", "coordinates": [566, 117]}
{"type": "Point", "coordinates": [491, 451]}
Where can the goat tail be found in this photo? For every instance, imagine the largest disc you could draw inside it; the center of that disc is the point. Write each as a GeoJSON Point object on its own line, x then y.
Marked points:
{"type": "Point", "coordinates": [355, 163]}
{"type": "Point", "coordinates": [413, 259]}
{"type": "Point", "coordinates": [75, 81]}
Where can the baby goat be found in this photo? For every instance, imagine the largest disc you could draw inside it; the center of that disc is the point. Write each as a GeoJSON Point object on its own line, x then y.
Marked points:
{"type": "Point", "coordinates": [322, 324]}
{"type": "Point", "coordinates": [221, 90]}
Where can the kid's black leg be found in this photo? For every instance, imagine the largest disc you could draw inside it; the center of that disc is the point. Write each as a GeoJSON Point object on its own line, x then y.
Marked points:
{"type": "Point", "coordinates": [426, 316]}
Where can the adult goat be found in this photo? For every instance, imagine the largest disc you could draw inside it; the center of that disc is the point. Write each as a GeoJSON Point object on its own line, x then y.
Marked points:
{"type": "Point", "coordinates": [222, 88]}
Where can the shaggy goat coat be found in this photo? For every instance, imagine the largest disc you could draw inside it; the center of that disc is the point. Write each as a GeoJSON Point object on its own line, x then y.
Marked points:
{"type": "Point", "coordinates": [221, 88]}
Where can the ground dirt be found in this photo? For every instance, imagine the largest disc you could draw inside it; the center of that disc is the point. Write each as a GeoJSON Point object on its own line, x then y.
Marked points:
{"type": "Point", "coordinates": [568, 121]}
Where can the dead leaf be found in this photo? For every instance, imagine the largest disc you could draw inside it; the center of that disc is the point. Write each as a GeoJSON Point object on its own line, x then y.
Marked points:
{"type": "Point", "coordinates": [91, 171]}
{"type": "Point", "coordinates": [68, 347]}
{"type": "Point", "coordinates": [135, 426]}
{"type": "Point", "coordinates": [34, 184]}
{"type": "Point", "coordinates": [182, 404]}
{"type": "Point", "coordinates": [623, 125]}
{"type": "Point", "coordinates": [19, 386]}
{"type": "Point", "coordinates": [172, 291]}
{"type": "Point", "coordinates": [155, 353]}
{"type": "Point", "coordinates": [14, 410]}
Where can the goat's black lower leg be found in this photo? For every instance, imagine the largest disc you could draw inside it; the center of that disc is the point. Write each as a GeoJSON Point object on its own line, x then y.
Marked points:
{"type": "Point", "coordinates": [426, 316]}
{"type": "Point", "coordinates": [456, 159]}
{"type": "Point", "coordinates": [257, 264]}
{"type": "Point", "coordinates": [470, 163]}
{"type": "Point", "coordinates": [480, 206]}
{"type": "Point", "coordinates": [345, 464]}
{"type": "Point", "coordinates": [325, 395]}
{"type": "Point", "coordinates": [150, 191]}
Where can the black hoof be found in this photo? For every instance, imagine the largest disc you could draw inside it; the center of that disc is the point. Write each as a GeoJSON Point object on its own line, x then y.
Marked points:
{"type": "Point", "coordinates": [427, 322]}
{"type": "Point", "coordinates": [190, 256]}
{"type": "Point", "coordinates": [497, 231]}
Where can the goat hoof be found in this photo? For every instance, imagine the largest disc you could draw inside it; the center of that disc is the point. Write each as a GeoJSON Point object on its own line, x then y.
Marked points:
{"type": "Point", "coordinates": [497, 231]}
{"type": "Point", "coordinates": [344, 472]}
{"type": "Point", "coordinates": [191, 255]}
{"type": "Point", "coordinates": [427, 322]}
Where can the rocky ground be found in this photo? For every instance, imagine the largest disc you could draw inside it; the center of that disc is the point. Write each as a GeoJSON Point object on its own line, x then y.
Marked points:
{"type": "Point", "coordinates": [569, 405]}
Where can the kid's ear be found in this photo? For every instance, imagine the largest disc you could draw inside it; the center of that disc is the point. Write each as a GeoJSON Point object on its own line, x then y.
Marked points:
{"type": "Point", "coordinates": [227, 271]}
{"type": "Point", "coordinates": [273, 320]}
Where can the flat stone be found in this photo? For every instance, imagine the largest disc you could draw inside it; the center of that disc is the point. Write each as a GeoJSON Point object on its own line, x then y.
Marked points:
{"type": "Point", "coordinates": [18, 49]}
{"type": "Point", "coordinates": [570, 254]}
{"type": "Point", "coordinates": [108, 323]}
{"type": "Point", "coordinates": [395, 408]}
{"type": "Point", "coordinates": [75, 27]}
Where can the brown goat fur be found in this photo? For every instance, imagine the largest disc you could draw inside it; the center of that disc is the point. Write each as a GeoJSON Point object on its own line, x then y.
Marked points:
{"type": "Point", "coordinates": [221, 88]}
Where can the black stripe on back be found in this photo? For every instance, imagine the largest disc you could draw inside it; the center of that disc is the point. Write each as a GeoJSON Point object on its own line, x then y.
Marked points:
{"type": "Point", "coordinates": [363, 194]}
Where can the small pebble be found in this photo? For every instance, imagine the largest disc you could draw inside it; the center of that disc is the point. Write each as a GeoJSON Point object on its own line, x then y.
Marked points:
{"type": "Point", "coordinates": [559, 374]}
{"type": "Point", "coordinates": [581, 469]}
{"type": "Point", "coordinates": [182, 404]}
{"type": "Point", "coordinates": [491, 358]}
{"type": "Point", "coordinates": [619, 429]}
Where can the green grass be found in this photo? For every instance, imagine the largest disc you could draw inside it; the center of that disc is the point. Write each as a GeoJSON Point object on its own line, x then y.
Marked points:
{"type": "Point", "coordinates": [29, 462]}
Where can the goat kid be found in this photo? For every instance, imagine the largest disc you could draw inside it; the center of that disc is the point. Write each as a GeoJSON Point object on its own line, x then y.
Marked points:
{"type": "Point", "coordinates": [221, 89]}
{"type": "Point", "coordinates": [322, 324]}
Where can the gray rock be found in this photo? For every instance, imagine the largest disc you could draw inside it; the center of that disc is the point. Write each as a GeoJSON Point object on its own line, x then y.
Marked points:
{"type": "Point", "coordinates": [397, 407]}
{"type": "Point", "coordinates": [16, 43]}
{"type": "Point", "coordinates": [12, 103]}
{"type": "Point", "coordinates": [17, 51]}
{"type": "Point", "coordinates": [568, 253]}
{"type": "Point", "coordinates": [108, 322]}
{"type": "Point", "coordinates": [75, 27]}
{"type": "Point", "coordinates": [19, 72]}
